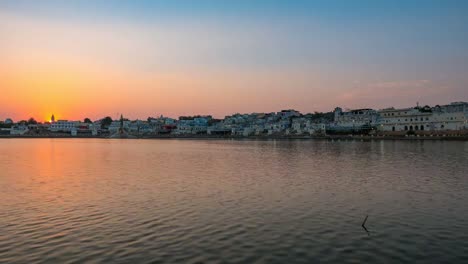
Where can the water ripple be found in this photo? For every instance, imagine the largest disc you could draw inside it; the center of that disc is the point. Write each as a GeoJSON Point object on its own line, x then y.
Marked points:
{"type": "Point", "coordinates": [216, 201]}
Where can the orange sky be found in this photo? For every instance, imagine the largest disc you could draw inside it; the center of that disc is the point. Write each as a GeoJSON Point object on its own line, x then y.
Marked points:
{"type": "Point", "coordinates": [82, 70]}
{"type": "Point", "coordinates": [78, 91]}
{"type": "Point", "coordinates": [62, 60]}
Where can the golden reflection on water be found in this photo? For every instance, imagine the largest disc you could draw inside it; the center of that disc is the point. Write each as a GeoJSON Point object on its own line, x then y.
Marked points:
{"type": "Point", "coordinates": [206, 200]}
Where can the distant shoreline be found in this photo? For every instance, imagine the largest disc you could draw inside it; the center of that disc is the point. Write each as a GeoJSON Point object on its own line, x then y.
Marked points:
{"type": "Point", "coordinates": [198, 137]}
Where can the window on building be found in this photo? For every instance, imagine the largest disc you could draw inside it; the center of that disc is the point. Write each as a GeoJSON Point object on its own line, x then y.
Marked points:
{"type": "Point", "coordinates": [406, 128]}
{"type": "Point", "coordinates": [442, 126]}
{"type": "Point", "coordinates": [422, 127]}
{"type": "Point", "coordinates": [411, 128]}
{"type": "Point", "coordinates": [393, 128]}
{"type": "Point", "coordinates": [415, 127]}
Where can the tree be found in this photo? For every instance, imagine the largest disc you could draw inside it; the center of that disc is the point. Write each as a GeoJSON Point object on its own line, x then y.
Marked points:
{"type": "Point", "coordinates": [106, 122]}
{"type": "Point", "coordinates": [32, 121]}
{"type": "Point", "coordinates": [88, 121]}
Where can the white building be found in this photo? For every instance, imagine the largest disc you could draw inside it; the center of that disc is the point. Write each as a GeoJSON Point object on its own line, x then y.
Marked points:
{"type": "Point", "coordinates": [19, 130]}
{"type": "Point", "coordinates": [307, 126]}
{"type": "Point", "coordinates": [450, 117]}
{"type": "Point", "coordinates": [298, 125]}
{"type": "Point", "coordinates": [64, 126]}
{"type": "Point", "coordinates": [8, 121]}
{"type": "Point", "coordinates": [193, 126]}
{"type": "Point", "coordinates": [190, 127]}
{"type": "Point", "coordinates": [315, 128]}
{"type": "Point", "coordinates": [115, 126]}
{"type": "Point", "coordinates": [354, 120]}
{"type": "Point", "coordinates": [140, 127]}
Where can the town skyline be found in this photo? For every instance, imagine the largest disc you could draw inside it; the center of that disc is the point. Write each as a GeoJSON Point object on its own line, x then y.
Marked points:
{"type": "Point", "coordinates": [117, 116]}
{"type": "Point", "coordinates": [422, 120]}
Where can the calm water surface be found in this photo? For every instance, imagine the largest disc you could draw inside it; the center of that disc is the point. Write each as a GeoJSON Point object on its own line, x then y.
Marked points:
{"type": "Point", "coordinates": [211, 201]}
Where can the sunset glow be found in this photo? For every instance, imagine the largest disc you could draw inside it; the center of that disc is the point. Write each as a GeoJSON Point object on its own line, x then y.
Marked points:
{"type": "Point", "coordinates": [149, 58]}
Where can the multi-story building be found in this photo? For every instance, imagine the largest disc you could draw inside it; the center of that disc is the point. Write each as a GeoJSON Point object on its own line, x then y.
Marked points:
{"type": "Point", "coordinates": [354, 120]}
{"type": "Point", "coordinates": [140, 127]}
{"type": "Point", "coordinates": [115, 126]}
{"type": "Point", "coordinates": [298, 125]}
{"type": "Point", "coordinates": [64, 126]}
{"type": "Point", "coordinates": [197, 125]}
{"type": "Point", "coordinates": [19, 130]}
{"type": "Point", "coordinates": [405, 119]}
{"type": "Point", "coordinates": [307, 126]}
{"type": "Point", "coordinates": [439, 118]}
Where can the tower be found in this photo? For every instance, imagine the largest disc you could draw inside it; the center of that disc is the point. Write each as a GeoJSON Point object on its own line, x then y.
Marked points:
{"type": "Point", "coordinates": [338, 111]}
{"type": "Point", "coordinates": [52, 119]}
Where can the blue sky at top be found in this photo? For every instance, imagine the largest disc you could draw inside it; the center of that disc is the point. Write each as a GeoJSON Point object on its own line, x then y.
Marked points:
{"type": "Point", "coordinates": [418, 49]}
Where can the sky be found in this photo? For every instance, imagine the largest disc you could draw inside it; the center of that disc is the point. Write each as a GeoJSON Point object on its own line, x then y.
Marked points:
{"type": "Point", "coordinates": [78, 59]}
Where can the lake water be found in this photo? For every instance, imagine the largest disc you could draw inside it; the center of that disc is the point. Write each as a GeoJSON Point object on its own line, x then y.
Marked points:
{"type": "Point", "coordinates": [233, 201]}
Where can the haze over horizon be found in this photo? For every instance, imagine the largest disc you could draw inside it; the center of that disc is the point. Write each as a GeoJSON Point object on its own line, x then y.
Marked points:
{"type": "Point", "coordinates": [78, 59]}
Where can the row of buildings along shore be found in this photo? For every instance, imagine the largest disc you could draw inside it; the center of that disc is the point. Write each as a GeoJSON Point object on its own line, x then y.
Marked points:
{"type": "Point", "coordinates": [450, 119]}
